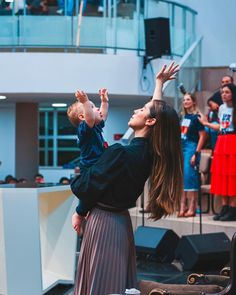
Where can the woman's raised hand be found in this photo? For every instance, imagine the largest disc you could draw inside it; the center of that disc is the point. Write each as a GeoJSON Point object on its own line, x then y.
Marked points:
{"type": "Point", "coordinates": [167, 73]}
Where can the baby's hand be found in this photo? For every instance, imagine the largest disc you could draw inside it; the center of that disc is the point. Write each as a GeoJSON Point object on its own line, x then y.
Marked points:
{"type": "Point", "coordinates": [77, 222]}
{"type": "Point", "coordinates": [81, 96]}
{"type": "Point", "coordinates": [103, 94]}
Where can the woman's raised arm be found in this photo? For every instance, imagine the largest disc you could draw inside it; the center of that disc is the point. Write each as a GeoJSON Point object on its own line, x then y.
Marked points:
{"type": "Point", "coordinates": [165, 74]}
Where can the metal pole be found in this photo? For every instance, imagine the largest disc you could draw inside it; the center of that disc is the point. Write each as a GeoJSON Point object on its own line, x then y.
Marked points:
{"type": "Point", "coordinates": [79, 23]}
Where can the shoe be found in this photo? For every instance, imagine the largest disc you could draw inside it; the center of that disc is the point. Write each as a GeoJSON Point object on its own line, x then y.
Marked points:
{"type": "Point", "coordinates": [230, 215]}
{"type": "Point", "coordinates": [223, 211]}
{"type": "Point", "coordinates": [100, 9]}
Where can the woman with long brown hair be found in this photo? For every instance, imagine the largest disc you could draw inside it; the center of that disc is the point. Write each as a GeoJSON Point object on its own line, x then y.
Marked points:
{"type": "Point", "coordinates": [193, 137]}
{"type": "Point", "coordinates": [107, 262]}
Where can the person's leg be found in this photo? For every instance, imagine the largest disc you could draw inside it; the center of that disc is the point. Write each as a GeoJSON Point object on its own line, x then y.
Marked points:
{"type": "Point", "coordinates": [70, 7]}
{"type": "Point", "coordinates": [60, 4]}
{"type": "Point", "coordinates": [224, 209]}
{"type": "Point", "coordinates": [231, 213]}
{"type": "Point", "coordinates": [192, 196]}
{"type": "Point", "coordinates": [183, 205]}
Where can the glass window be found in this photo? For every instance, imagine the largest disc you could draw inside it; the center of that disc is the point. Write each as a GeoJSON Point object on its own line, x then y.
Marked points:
{"type": "Point", "coordinates": [64, 125]}
{"type": "Point", "coordinates": [67, 143]}
{"type": "Point", "coordinates": [50, 123]}
{"type": "Point", "coordinates": [57, 147]}
{"type": "Point", "coordinates": [41, 123]}
{"type": "Point", "coordinates": [66, 157]}
{"type": "Point", "coordinates": [43, 142]}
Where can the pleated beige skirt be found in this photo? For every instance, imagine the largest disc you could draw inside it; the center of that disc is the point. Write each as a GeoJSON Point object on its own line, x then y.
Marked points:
{"type": "Point", "coordinates": [107, 261]}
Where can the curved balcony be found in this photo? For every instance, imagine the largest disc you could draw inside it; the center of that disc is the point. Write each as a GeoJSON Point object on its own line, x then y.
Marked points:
{"type": "Point", "coordinates": [120, 26]}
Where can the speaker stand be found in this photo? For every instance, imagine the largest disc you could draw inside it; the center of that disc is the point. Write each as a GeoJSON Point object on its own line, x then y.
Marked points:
{"type": "Point", "coordinates": [199, 199]}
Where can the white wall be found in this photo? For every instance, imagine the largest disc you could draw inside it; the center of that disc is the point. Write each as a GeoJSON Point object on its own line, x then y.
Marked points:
{"type": "Point", "coordinates": [117, 122]}
{"type": "Point", "coordinates": [216, 22]}
{"type": "Point", "coordinates": [66, 72]}
{"type": "Point", "coordinates": [7, 140]}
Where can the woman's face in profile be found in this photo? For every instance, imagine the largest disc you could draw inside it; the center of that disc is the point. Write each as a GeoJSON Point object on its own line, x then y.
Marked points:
{"type": "Point", "coordinates": [140, 116]}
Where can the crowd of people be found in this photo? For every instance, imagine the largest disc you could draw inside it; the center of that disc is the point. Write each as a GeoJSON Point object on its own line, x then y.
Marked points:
{"type": "Point", "coordinates": [38, 178]}
{"type": "Point", "coordinates": [48, 7]}
{"type": "Point", "coordinates": [217, 128]}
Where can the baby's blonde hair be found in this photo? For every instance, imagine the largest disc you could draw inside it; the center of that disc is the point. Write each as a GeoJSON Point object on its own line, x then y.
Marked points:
{"type": "Point", "coordinates": [73, 113]}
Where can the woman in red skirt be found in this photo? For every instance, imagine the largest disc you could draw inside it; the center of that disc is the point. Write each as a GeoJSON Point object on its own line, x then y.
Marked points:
{"type": "Point", "coordinates": [223, 169]}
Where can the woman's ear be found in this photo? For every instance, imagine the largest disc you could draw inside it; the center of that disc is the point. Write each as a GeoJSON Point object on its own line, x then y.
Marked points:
{"type": "Point", "coordinates": [150, 121]}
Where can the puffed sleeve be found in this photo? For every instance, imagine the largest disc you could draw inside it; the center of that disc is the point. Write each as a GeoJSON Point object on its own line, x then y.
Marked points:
{"type": "Point", "coordinates": [90, 185]}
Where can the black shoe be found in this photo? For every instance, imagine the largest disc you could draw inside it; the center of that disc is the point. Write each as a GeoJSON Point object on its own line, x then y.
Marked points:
{"type": "Point", "coordinates": [223, 211]}
{"type": "Point", "coordinates": [230, 215]}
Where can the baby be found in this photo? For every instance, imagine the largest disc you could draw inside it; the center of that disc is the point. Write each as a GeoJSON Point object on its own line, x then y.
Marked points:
{"type": "Point", "coordinates": [89, 121]}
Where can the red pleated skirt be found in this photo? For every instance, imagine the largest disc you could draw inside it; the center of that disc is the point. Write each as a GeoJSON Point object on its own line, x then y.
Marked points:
{"type": "Point", "coordinates": [223, 168]}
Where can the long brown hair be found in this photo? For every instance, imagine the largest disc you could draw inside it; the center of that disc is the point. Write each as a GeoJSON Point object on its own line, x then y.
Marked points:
{"type": "Point", "coordinates": [232, 88]}
{"type": "Point", "coordinates": [166, 179]}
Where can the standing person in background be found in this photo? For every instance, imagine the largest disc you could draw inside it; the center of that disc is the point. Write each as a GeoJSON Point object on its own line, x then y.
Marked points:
{"type": "Point", "coordinates": [193, 137]}
{"type": "Point", "coordinates": [107, 261]}
{"type": "Point", "coordinates": [212, 117]}
{"type": "Point", "coordinates": [223, 179]}
{"type": "Point", "coordinates": [227, 79]}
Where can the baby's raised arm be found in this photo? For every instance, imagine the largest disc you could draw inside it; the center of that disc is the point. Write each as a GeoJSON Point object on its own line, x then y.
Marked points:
{"type": "Point", "coordinates": [104, 102]}
{"type": "Point", "coordinates": [88, 113]}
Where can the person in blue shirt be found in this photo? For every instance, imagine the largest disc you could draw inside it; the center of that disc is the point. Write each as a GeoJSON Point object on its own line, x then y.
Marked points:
{"type": "Point", "coordinates": [193, 137]}
{"type": "Point", "coordinates": [89, 121]}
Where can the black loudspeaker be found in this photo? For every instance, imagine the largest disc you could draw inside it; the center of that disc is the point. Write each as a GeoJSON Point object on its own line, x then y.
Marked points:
{"type": "Point", "coordinates": [199, 252]}
{"type": "Point", "coordinates": [157, 37]}
{"type": "Point", "coordinates": [161, 243]}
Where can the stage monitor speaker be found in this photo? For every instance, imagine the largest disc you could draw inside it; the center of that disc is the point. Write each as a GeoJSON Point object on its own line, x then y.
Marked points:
{"type": "Point", "coordinates": [161, 243]}
{"type": "Point", "coordinates": [157, 37]}
{"type": "Point", "coordinates": [206, 251]}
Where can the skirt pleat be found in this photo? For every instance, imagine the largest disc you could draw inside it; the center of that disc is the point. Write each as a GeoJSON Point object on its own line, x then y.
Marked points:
{"type": "Point", "coordinates": [223, 168]}
{"type": "Point", "coordinates": [107, 261]}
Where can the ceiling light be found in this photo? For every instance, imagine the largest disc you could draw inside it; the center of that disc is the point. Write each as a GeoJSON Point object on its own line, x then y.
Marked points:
{"type": "Point", "coordinates": [3, 97]}
{"type": "Point", "coordinates": [59, 105]}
